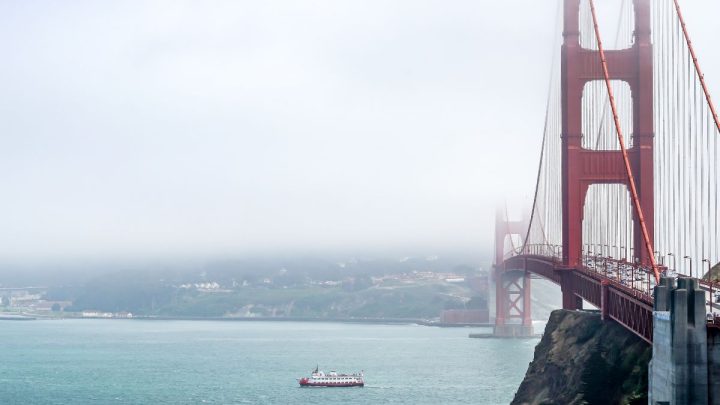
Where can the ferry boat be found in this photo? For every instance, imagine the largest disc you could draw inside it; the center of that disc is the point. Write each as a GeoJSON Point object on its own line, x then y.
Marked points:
{"type": "Point", "coordinates": [332, 379]}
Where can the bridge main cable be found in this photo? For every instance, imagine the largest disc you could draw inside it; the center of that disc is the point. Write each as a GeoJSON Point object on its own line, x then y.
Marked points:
{"type": "Point", "coordinates": [621, 140]}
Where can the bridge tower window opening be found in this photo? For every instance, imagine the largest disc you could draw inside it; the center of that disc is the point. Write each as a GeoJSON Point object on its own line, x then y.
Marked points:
{"type": "Point", "coordinates": [607, 222]}
{"type": "Point", "coordinates": [598, 128]}
{"type": "Point", "coordinates": [614, 16]}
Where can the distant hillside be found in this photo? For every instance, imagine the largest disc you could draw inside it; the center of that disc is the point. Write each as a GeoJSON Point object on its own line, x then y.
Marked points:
{"type": "Point", "coordinates": [412, 301]}
{"type": "Point", "coordinates": [287, 286]}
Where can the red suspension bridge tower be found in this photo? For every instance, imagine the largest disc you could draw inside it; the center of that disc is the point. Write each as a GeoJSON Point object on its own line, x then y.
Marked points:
{"type": "Point", "coordinates": [583, 167]}
{"type": "Point", "coordinates": [672, 305]}
{"type": "Point", "coordinates": [513, 316]}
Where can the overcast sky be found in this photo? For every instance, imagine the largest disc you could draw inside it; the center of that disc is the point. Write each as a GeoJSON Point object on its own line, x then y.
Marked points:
{"type": "Point", "coordinates": [133, 128]}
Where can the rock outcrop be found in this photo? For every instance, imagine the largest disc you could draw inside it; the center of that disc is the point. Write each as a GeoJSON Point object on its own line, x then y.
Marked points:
{"type": "Point", "coordinates": [583, 360]}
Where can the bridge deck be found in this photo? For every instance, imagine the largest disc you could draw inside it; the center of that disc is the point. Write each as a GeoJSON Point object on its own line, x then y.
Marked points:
{"type": "Point", "coordinates": [621, 291]}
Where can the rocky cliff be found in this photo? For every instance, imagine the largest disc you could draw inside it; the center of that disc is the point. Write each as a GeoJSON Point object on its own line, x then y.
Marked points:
{"type": "Point", "coordinates": [583, 360]}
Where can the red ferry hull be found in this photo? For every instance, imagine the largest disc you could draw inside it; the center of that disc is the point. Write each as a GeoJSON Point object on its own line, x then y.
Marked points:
{"type": "Point", "coordinates": [329, 384]}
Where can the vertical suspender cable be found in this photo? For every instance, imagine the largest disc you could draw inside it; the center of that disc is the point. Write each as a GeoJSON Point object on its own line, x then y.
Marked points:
{"type": "Point", "coordinates": [697, 65]}
{"type": "Point", "coordinates": [716, 120]}
{"type": "Point", "coordinates": [548, 124]}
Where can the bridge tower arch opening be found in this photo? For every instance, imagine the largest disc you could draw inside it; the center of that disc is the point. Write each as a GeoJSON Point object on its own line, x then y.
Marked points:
{"type": "Point", "coordinates": [608, 228]}
{"type": "Point", "coordinates": [598, 130]}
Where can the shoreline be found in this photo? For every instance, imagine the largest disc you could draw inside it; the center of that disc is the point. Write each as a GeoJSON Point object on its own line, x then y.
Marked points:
{"type": "Point", "coordinates": [388, 321]}
{"type": "Point", "coordinates": [377, 321]}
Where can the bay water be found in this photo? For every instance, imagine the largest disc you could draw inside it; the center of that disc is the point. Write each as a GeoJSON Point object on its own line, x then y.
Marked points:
{"type": "Point", "coordinates": [81, 361]}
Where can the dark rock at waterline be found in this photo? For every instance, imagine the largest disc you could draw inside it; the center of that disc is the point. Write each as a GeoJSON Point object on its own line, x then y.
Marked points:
{"type": "Point", "coordinates": [583, 360]}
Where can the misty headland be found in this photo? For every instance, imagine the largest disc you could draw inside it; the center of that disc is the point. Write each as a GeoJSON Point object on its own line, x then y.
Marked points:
{"type": "Point", "coordinates": [283, 286]}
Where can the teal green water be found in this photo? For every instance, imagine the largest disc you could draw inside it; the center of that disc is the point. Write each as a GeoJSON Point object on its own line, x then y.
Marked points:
{"type": "Point", "coordinates": [194, 362]}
